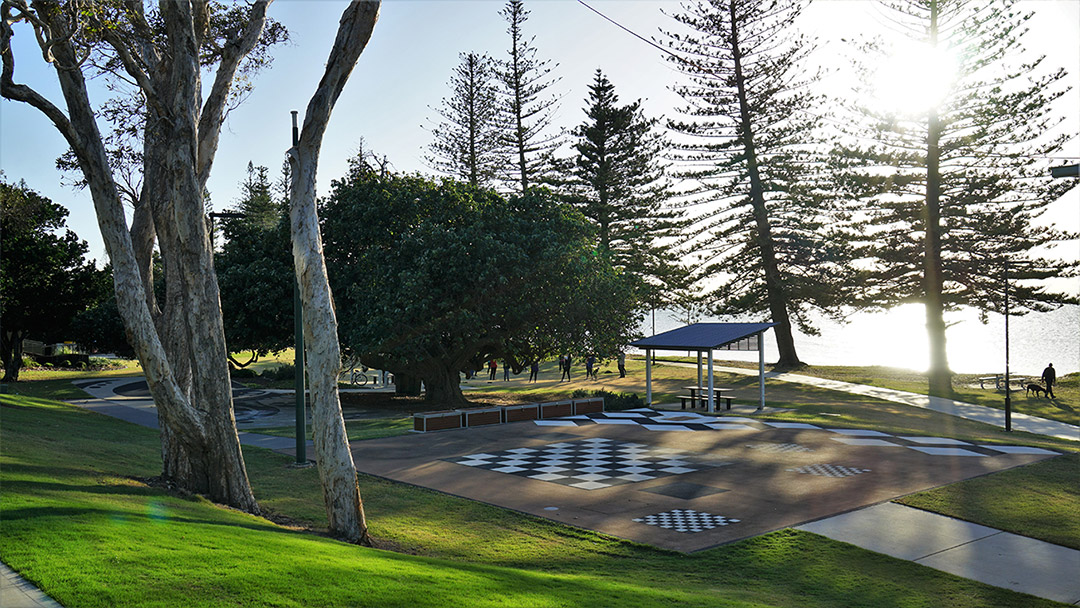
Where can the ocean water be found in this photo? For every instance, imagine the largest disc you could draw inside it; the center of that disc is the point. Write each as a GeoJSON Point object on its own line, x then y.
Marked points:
{"type": "Point", "coordinates": [897, 338]}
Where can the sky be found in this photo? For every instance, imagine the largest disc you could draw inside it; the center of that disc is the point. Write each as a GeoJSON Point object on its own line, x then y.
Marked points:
{"type": "Point", "coordinates": [403, 73]}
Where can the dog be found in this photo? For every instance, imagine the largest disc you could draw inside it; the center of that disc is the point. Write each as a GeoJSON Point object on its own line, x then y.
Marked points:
{"type": "Point", "coordinates": [1035, 388]}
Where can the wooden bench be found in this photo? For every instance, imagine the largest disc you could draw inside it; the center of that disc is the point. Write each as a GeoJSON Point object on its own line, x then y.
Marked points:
{"type": "Point", "coordinates": [588, 405]}
{"type": "Point", "coordinates": [479, 416]}
{"type": "Point", "coordinates": [556, 409]}
{"type": "Point", "coordinates": [517, 413]}
{"type": "Point", "coordinates": [436, 421]}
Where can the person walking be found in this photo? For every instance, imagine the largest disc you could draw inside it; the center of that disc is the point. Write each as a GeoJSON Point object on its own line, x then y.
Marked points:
{"type": "Point", "coordinates": [622, 364]}
{"type": "Point", "coordinates": [590, 361]}
{"type": "Point", "coordinates": [562, 367]}
{"type": "Point", "coordinates": [534, 370]}
{"type": "Point", "coordinates": [1049, 376]}
{"type": "Point", "coordinates": [567, 368]}
{"type": "Point", "coordinates": [492, 366]}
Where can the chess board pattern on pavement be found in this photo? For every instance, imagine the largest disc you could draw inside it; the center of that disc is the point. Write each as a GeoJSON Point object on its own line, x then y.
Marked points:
{"type": "Point", "coordinates": [588, 464]}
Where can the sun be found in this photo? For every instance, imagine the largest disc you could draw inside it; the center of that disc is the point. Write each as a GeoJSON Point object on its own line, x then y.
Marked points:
{"type": "Point", "coordinates": [915, 78]}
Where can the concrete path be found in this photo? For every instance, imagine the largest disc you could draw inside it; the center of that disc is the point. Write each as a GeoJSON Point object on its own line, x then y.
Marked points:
{"type": "Point", "coordinates": [961, 548]}
{"type": "Point", "coordinates": [15, 592]}
{"type": "Point", "coordinates": [968, 411]}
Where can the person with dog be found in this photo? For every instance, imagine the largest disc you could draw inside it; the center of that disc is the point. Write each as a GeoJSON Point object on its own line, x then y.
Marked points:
{"type": "Point", "coordinates": [1049, 376]}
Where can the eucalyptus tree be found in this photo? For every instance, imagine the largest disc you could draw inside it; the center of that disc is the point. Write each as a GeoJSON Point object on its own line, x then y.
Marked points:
{"type": "Point", "coordinates": [322, 350]}
{"type": "Point", "coordinates": [525, 106]}
{"type": "Point", "coordinates": [617, 181]}
{"type": "Point", "coordinates": [958, 173]}
{"type": "Point", "coordinates": [764, 224]}
{"type": "Point", "coordinates": [164, 52]}
{"type": "Point", "coordinates": [467, 141]}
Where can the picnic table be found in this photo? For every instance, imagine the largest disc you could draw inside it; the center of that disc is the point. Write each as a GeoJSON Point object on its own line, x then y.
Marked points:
{"type": "Point", "coordinates": [700, 394]}
{"type": "Point", "coordinates": [999, 381]}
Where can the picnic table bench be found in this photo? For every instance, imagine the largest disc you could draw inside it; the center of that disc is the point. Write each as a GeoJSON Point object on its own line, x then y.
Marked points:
{"type": "Point", "coordinates": [999, 381]}
{"type": "Point", "coordinates": [700, 394]}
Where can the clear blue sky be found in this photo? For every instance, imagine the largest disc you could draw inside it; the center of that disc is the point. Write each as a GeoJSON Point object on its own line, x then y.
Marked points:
{"type": "Point", "coordinates": [404, 71]}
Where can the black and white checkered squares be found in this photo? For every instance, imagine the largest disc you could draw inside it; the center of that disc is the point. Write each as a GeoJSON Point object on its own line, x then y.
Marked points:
{"type": "Point", "coordinates": [588, 464]}
{"type": "Point", "coordinates": [829, 470]}
{"type": "Point", "coordinates": [686, 520]}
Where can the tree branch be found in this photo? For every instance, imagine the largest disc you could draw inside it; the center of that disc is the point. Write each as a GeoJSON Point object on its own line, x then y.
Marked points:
{"type": "Point", "coordinates": [213, 111]}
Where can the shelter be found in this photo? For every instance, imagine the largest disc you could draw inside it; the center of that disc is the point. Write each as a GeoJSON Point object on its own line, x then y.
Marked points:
{"type": "Point", "coordinates": [707, 337]}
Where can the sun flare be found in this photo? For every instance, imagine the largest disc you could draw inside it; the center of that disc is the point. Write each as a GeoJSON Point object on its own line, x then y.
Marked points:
{"type": "Point", "coordinates": [915, 78]}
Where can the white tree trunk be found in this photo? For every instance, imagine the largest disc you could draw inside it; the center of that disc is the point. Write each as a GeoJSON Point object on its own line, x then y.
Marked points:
{"type": "Point", "coordinates": [183, 351]}
{"type": "Point", "coordinates": [344, 507]}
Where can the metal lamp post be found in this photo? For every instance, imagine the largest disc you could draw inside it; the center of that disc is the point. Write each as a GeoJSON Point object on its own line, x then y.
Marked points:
{"type": "Point", "coordinates": [298, 339]}
{"type": "Point", "coordinates": [1008, 388]}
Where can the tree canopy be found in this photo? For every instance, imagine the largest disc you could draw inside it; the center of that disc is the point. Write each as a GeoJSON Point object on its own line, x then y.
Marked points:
{"type": "Point", "coordinates": [45, 278]}
{"type": "Point", "coordinates": [433, 277]}
{"type": "Point", "coordinates": [616, 179]}
{"type": "Point", "coordinates": [467, 142]}
{"type": "Point", "coordinates": [254, 269]}
{"type": "Point", "coordinates": [953, 189]}
{"type": "Point", "coordinates": [764, 225]}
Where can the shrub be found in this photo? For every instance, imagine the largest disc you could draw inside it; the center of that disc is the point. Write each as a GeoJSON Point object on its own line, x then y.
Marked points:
{"type": "Point", "coordinates": [285, 371]}
{"type": "Point", "coordinates": [241, 372]}
{"type": "Point", "coordinates": [103, 363]}
{"type": "Point", "coordinates": [613, 402]}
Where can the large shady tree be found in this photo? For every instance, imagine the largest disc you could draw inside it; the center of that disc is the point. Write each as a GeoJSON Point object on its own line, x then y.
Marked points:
{"type": "Point", "coordinates": [40, 262]}
{"type": "Point", "coordinates": [322, 351]}
{"type": "Point", "coordinates": [766, 226]}
{"type": "Point", "coordinates": [432, 277]}
{"type": "Point", "coordinates": [953, 184]}
{"type": "Point", "coordinates": [180, 342]}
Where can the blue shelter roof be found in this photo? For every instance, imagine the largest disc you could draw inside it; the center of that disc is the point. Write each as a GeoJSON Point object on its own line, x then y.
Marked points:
{"type": "Point", "coordinates": [701, 336]}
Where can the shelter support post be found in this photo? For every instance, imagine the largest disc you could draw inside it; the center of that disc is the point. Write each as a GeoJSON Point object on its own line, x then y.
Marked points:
{"type": "Point", "coordinates": [761, 368]}
{"type": "Point", "coordinates": [712, 400]}
{"type": "Point", "coordinates": [699, 368]}
{"type": "Point", "coordinates": [648, 377]}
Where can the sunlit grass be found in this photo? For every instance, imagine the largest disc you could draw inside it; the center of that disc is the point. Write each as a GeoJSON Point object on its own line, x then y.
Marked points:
{"type": "Point", "coordinates": [357, 430]}
{"type": "Point", "coordinates": [79, 524]}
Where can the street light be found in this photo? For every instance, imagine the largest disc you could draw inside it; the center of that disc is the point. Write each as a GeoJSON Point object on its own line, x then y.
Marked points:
{"type": "Point", "coordinates": [1065, 171]}
{"type": "Point", "coordinates": [298, 360]}
{"type": "Point", "coordinates": [1008, 391]}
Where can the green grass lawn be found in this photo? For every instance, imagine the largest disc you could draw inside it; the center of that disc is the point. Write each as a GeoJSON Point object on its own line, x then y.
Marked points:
{"type": "Point", "coordinates": [1065, 408]}
{"type": "Point", "coordinates": [357, 430]}
{"type": "Point", "coordinates": [124, 367]}
{"type": "Point", "coordinates": [1041, 500]}
{"type": "Point", "coordinates": [79, 523]}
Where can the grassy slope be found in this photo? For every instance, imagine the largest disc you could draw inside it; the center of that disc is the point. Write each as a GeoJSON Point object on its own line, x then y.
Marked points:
{"type": "Point", "coordinates": [1066, 407]}
{"type": "Point", "coordinates": [1041, 500]}
{"type": "Point", "coordinates": [76, 524]}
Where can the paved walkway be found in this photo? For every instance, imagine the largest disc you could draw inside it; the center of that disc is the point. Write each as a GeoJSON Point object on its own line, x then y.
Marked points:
{"type": "Point", "coordinates": [968, 411]}
{"type": "Point", "coordinates": [962, 548]}
{"type": "Point", "coordinates": [15, 592]}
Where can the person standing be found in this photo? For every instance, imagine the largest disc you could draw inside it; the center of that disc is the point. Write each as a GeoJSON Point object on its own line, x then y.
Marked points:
{"type": "Point", "coordinates": [590, 361]}
{"type": "Point", "coordinates": [506, 371]}
{"type": "Point", "coordinates": [1049, 376]}
{"type": "Point", "coordinates": [492, 366]}
{"type": "Point", "coordinates": [622, 364]}
{"type": "Point", "coordinates": [534, 370]}
{"type": "Point", "coordinates": [568, 368]}
{"type": "Point", "coordinates": [562, 367]}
